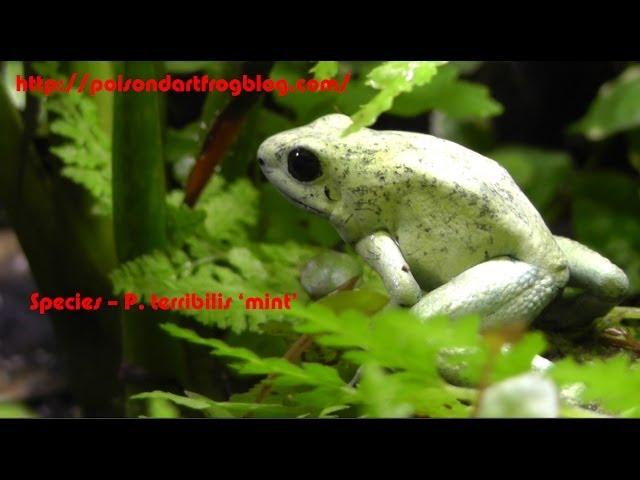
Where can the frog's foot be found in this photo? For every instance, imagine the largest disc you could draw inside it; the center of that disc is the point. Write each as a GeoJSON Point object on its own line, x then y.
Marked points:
{"type": "Point", "coordinates": [502, 291]}
{"type": "Point", "coordinates": [602, 284]}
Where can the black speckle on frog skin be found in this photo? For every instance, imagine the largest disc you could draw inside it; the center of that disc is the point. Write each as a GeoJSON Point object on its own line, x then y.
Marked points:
{"type": "Point", "coordinates": [472, 248]}
{"type": "Point", "coordinates": [327, 192]}
{"type": "Point", "coordinates": [458, 191]}
{"type": "Point", "coordinates": [280, 151]}
{"type": "Point", "coordinates": [484, 208]}
{"type": "Point", "coordinates": [345, 173]}
{"type": "Point", "coordinates": [482, 226]}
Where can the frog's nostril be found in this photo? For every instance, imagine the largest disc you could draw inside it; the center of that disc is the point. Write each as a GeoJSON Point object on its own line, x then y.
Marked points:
{"type": "Point", "coordinates": [261, 162]}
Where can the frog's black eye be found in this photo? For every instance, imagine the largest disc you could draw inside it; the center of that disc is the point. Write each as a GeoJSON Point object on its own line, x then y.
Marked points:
{"type": "Point", "coordinates": [303, 165]}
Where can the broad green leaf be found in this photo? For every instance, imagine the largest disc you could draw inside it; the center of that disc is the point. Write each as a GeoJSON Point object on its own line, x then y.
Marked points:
{"type": "Point", "coordinates": [178, 399]}
{"type": "Point", "coordinates": [14, 410]}
{"type": "Point", "coordinates": [606, 217]}
{"type": "Point", "coordinates": [366, 301]}
{"type": "Point", "coordinates": [476, 134]}
{"type": "Point", "coordinates": [324, 70]}
{"type": "Point", "coordinates": [162, 408]}
{"type": "Point", "coordinates": [615, 109]}
{"type": "Point", "coordinates": [540, 173]}
{"type": "Point", "coordinates": [448, 94]}
{"type": "Point", "coordinates": [306, 106]}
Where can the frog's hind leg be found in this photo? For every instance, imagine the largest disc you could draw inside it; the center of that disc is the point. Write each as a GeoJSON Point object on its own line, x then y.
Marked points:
{"type": "Point", "coordinates": [602, 285]}
{"type": "Point", "coordinates": [501, 290]}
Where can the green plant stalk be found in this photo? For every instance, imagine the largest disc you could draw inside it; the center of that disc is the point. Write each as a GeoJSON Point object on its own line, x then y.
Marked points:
{"type": "Point", "coordinates": [140, 227]}
{"type": "Point", "coordinates": [103, 100]}
{"type": "Point", "coordinates": [69, 251]}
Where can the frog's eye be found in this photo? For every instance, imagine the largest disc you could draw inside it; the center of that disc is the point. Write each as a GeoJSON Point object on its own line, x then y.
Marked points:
{"type": "Point", "coordinates": [303, 165]}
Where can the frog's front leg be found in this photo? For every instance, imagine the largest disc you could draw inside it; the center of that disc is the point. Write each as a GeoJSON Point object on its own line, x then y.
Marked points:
{"type": "Point", "coordinates": [501, 291]}
{"type": "Point", "coordinates": [382, 253]}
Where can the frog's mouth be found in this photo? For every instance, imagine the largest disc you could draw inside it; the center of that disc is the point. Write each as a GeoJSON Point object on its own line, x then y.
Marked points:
{"type": "Point", "coordinates": [302, 205]}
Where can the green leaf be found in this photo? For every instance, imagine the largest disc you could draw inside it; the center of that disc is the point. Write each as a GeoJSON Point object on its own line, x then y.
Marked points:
{"type": "Point", "coordinates": [14, 410]}
{"type": "Point", "coordinates": [248, 363]}
{"type": "Point", "coordinates": [393, 395]}
{"type": "Point", "coordinates": [162, 408]}
{"type": "Point", "coordinates": [400, 356]}
{"type": "Point", "coordinates": [383, 396]}
{"type": "Point", "coordinates": [392, 79]}
{"type": "Point", "coordinates": [448, 94]}
{"type": "Point", "coordinates": [86, 154]}
{"type": "Point", "coordinates": [606, 217]}
{"type": "Point", "coordinates": [231, 210]}
{"type": "Point", "coordinates": [613, 383]}
{"type": "Point", "coordinates": [477, 134]}
{"type": "Point", "coordinates": [328, 411]}
{"type": "Point", "coordinates": [516, 358]}
{"type": "Point", "coordinates": [183, 222]}
{"type": "Point", "coordinates": [250, 270]}
{"type": "Point", "coordinates": [305, 106]}
{"type": "Point", "coordinates": [177, 399]}
{"type": "Point", "coordinates": [615, 109]}
{"type": "Point", "coordinates": [210, 407]}
{"type": "Point", "coordinates": [365, 301]}
{"type": "Point", "coordinates": [540, 173]}
{"type": "Point", "coordinates": [324, 70]}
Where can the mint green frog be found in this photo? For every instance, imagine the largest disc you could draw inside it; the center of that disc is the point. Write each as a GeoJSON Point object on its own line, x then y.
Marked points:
{"type": "Point", "coordinates": [447, 229]}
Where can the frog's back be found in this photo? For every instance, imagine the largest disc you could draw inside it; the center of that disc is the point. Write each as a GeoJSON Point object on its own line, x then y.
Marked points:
{"type": "Point", "coordinates": [463, 209]}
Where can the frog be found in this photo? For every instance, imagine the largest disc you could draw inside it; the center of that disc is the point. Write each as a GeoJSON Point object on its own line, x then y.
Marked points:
{"type": "Point", "coordinates": [448, 229]}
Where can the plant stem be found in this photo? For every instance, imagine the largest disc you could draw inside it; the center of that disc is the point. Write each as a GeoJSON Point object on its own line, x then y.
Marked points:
{"type": "Point", "coordinates": [140, 228]}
